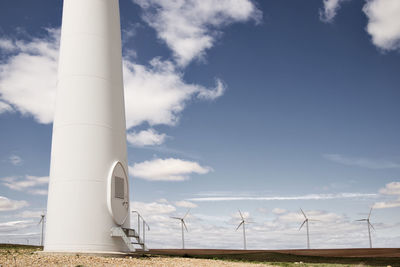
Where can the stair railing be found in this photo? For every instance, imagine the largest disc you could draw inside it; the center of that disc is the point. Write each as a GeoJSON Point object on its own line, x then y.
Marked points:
{"type": "Point", "coordinates": [140, 220]}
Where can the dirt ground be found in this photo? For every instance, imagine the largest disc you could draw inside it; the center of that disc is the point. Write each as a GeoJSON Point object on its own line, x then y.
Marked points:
{"type": "Point", "coordinates": [348, 252]}
{"type": "Point", "coordinates": [16, 255]}
{"type": "Point", "coordinates": [22, 257]}
{"type": "Point", "coordinates": [372, 257]}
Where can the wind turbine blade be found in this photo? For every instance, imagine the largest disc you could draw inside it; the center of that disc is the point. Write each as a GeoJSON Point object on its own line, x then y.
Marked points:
{"type": "Point", "coordinates": [302, 224]}
{"type": "Point", "coordinates": [176, 218]}
{"type": "Point", "coordinates": [239, 225]}
{"type": "Point", "coordinates": [372, 226]}
{"type": "Point", "coordinates": [241, 214]}
{"type": "Point", "coordinates": [303, 213]}
{"type": "Point", "coordinates": [369, 215]}
{"type": "Point", "coordinates": [40, 221]}
{"type": "Point", "coordinates": [361, 220]}
{"type": "Point", "coordinates": [186, 214]}
{"type": "Point", "coordinates": [184, 224]}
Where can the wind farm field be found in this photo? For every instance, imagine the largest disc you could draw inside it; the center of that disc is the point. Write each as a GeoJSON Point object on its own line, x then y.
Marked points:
{"type": "Point", "coordinates": [23, 255]}
{"type": "Point", "coordinates": [356, 256]}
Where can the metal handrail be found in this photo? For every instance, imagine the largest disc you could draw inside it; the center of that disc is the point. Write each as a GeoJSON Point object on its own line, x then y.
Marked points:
{"type": "Point", "coordinates": [144, 225]}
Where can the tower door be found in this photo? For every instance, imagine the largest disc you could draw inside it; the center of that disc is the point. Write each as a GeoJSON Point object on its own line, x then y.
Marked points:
{"type": "Point", "coordinates": [118, 194]}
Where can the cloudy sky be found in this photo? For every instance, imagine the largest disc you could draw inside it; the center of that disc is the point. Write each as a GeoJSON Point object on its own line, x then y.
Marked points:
{"type": "Point", "coordinates": [266, 106]}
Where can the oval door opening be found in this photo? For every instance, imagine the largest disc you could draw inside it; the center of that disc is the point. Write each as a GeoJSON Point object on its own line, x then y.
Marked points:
{"type": "Point", "coordinates": [119, 197]}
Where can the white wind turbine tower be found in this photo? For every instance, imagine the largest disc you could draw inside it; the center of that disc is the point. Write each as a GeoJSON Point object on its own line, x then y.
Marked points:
{"type": "Point", "coordinates": [369, 227]}
{"type": "Point", "coordinates": [308, 231]}
{"type": "Point", "coordinates": [243, 222]}
{"type": "Point", "coordinates": [183, 224]}
{"type": "Point", "coordinates": [42, 222]}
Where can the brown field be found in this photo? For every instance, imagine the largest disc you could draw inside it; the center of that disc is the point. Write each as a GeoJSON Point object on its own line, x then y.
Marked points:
{"type": "Point", "coordinates": [374, 256]}
{"type": "Point", "coordinates": [349, 252]}
{"type": "Point", "coordinates": [19, 255]}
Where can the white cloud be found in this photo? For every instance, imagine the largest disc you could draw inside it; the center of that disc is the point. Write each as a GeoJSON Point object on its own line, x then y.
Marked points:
{"type": "Point", "coordinates": [40, 192]}
{"type": "Point", "coordinates": [384, 23]}
{"type": "Point", "coordinates": [28, 79]}
{"type": "Point", "coordinates": [185, 204]}
{"type": "Point", "coordinates": [15, 160]}
{"type": "Point", "coordinates": [362, 162]}
{"type": "Point", "coordinates": [19, 183]}
{"type": "Point", "coordinates": [14, 225]}
{"type": "Point", "coordinates": [279, 211]}
{"type": "Point", "coordinates": [190, 27]}
{"type": "Point", "coordinates": [169, 169]}
{"type": "Point", "coordinates": [391, 189]}
{"type": "Point", "coordinates": [386, 205]}
{"type": "Point", "coordinates": [152, 208]}
{"type": "Point", "coordinates": [7, 204]}
{"type": "Point", "coordinates": [4, 107]}
{"type": "Point", "coordinates": [279, 232]}
{"type": "Point", "coordinates": [148, 137]}
{"type": "Point", "coordinates": [157, 94]}
{"type": "Point", "coordinates": [328, 13]}
{"type": "Point", "coordinates": [7, 45]}
{"type": "Point", "coordinates": [271, 198]}
{"type": "Point", "coordinates": [30, 214]}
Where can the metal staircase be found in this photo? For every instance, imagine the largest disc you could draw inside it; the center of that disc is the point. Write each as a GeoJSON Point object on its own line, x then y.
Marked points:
{"type": "Point", "coordinates": [128, 234]}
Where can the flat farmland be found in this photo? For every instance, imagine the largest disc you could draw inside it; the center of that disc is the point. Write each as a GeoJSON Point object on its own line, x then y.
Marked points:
{"type": "Point", "coordinates": [356, 256]}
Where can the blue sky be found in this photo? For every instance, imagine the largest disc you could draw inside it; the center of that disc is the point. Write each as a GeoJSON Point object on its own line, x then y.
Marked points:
{"type": "Point", "coordinates": [267, 106]}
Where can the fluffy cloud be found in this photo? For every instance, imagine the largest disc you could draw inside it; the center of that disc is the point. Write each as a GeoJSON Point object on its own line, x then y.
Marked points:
{"type": "Point", "coordinates": [185, 204]}
{"type": "Point", "coordinates": [152, 208]}
{"type": "Point", "coordinates": [278, 211]}
{"type": "Point", "coordinates": [384, 23]}
{"type": "Point", "coordinates": [391, 189]}
{"type": "Point", "coordinates": [328, 13]}
{"type": "Point", "coordinates": [14, 226]}
{"type": "Point", "coordinates": [4, 107]}
{"type": "Point", "coordinates": [281, 231]}
{"type": "Point", "coordinates": [29, 214]}
{"type": "Point", "coordinates": [7, 204]}
{"type": "Point", "coordinates": [28, 78]}
{"type": "Point", "coordinates": [190, 27]}
{"type": "Point", "coordinates": [26, 183]}
{"type": "Point", "coordinates": [362, 162]}
{"type": "Point", "coordinates": [169, 169]}
{"type": "Point", "coordinates": [148, 137]}
{"type": "Point", "coordinates": [156, 94]}
{"type": "Point", "coordinates": [15, 160]}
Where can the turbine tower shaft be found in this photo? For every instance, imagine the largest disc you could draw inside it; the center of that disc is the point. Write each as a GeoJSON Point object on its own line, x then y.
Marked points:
{"type": "Point", "coordinates": [308, 236]}
{"type": "Point", "coordinates": [183, 236]}
{"type": "Point", "coordinates": [88, 188]}
{"type": "Point", "coordinates": [369, 233]}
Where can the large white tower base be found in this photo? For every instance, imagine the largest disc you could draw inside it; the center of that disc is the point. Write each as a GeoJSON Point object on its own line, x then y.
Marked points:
{"type": "Point", "coordinates": [88, 190]}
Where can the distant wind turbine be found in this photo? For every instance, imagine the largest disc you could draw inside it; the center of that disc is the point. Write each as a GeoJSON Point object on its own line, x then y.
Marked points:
{"type": "Point", "coordinates": [183, 224]}
{"type": "Point", "coordinates": [369, 225]}
{"type": "Point", "coordinates": [42, 222]}
{"type": "Point", "coordinates": [243, 222]}
{"type": "Point", "coordinates": [308, 232]}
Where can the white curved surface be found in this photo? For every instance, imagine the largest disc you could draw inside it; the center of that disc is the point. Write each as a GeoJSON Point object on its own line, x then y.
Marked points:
{"type": "Point", "coordinates": [89, 129]}
{"type": "Point", "coordinates": [118, 206]}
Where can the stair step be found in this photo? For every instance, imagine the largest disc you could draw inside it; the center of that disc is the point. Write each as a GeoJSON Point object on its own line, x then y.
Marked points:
{"type": "Point", "coordinates": [137, 243]}
{"type": "Point", "coordinates": [119, 232]}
